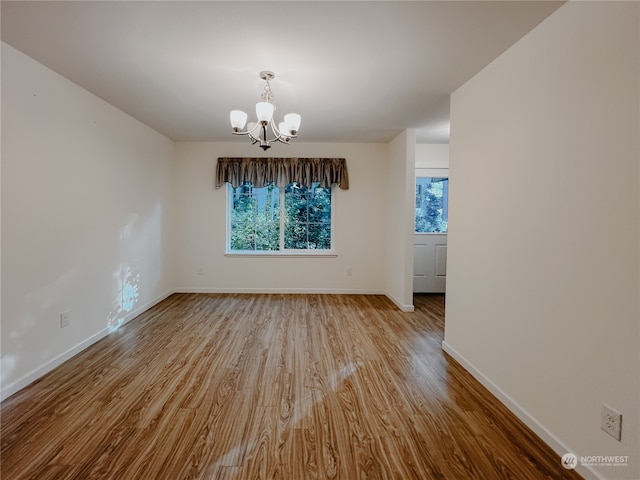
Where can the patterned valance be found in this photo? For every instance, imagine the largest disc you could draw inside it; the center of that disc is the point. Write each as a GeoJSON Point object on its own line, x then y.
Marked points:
{"type": "Point", "coordinates": [282, 171]}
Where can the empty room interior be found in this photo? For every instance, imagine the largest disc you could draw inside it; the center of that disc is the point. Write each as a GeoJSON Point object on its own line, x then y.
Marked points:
{"type": "Point", "coordinates": [320, 239]}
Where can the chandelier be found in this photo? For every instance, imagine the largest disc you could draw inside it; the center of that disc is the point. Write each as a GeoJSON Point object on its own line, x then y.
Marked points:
{"type": "Point", "coordinates": [259, 131]}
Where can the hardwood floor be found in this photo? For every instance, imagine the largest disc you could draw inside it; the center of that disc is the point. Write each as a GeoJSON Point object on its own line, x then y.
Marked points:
{"type": "Point", "coordinates": [207, 386]}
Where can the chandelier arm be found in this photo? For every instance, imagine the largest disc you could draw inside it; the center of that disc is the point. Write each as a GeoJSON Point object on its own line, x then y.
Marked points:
{"type": "Point", "coordinates": [253, 139]}
{"type": "Point", "coordinates": [255, 131]}
{"type": "Point", "coordinates": [264, 143]}
{"type": "Point", "coordinates": [277, 135]}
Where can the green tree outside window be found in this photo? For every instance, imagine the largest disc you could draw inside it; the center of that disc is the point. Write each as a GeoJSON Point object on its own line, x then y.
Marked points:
{"type": "Point", "coordinates": [256, 221]}
{"type": "Point", "coordinates": [432, 211]}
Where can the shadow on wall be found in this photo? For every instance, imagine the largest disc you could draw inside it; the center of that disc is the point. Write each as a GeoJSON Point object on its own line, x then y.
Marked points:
{"type": "Point", "coordinates": [136, 253]}
{"type": "Point", "coordinates": [39, 303]}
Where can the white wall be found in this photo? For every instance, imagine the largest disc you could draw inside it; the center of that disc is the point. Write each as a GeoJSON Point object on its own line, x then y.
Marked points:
{"type": "Point", "coordinates": [86, 207]}
{"type": "Point", "coordinates": [544, 261]}
{"type": "Point", "coordinates": [432, 155]}
{"type": "Point", "coordinates": [399, 226]}
{"type": "Point", "coordinates": [432, 160]}
{"type": "Point", "coordinates": [360, 225]}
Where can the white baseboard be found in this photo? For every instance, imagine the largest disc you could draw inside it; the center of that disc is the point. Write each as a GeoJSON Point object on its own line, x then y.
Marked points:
{"type": "Point", "coordinates": [529, 420]}
{"type": "Point", "coordinates": [46, 367]}
{"type": "Point", "coordinates": [58, 360]}
{"type": "Point", "coordinates": [400, 305]}
{"type": "Point", "coordinates": [332, 291]}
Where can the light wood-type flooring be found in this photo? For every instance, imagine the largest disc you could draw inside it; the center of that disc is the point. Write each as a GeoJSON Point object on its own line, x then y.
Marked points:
{"type": "Point", "coordinates": [213, 386]}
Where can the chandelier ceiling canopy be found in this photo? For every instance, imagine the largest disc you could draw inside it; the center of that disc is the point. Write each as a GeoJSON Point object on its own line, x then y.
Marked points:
{"type": "Point", "coordinates": [258, 131]}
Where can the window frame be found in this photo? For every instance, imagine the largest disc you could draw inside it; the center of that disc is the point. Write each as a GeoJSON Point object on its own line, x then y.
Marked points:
{"type": "Point", "coordinates": [281, 252]}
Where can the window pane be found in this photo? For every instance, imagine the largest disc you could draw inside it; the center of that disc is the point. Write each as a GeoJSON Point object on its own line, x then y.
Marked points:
{"type": "Point", "coordinates": [255, 218]}
{"type": "Point", "coordinates": [320, 206]}
{"type": "Point", "coordinates": [432, 195]}
{"type": "Point", "coordinates": [308, 217]}
{"type": "Point", "coordinates": [319, 237]}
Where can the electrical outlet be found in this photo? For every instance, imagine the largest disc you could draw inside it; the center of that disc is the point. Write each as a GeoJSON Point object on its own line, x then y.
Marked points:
{"type": "Point", "coordinates": [349, 272]}
{"type": "Point", "coordinates": [611, 422]}
{"type": "Point", "coordinates": [64, 319]}
{"type": "Point", "coordinates": [201, 271]}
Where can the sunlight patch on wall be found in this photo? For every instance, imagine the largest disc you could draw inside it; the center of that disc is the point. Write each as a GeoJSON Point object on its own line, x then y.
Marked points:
{"type": "Point", "coordinates": [126, 298]}
{"type": "Point", "coordinates": [127, 277]}
{"type": "Point", "coordinates": [8, 364]}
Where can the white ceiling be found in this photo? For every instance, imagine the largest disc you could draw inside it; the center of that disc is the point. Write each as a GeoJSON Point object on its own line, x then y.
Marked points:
{"type": "Point", "coordinates": [357, 71]}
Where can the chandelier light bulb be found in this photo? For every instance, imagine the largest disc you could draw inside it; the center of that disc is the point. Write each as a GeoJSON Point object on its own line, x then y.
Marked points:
{"type": "Point", "coordinates": [264, 111]}
{"type": "Point", "coordinates": [284, 129]}
{"type": "Point", "coordinates": [293, 120]}
{"type": "Point", "coordinates": [238, 119]}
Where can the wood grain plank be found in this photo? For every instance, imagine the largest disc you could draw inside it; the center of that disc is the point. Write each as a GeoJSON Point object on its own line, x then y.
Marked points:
{"type": "Point", "coordinates": [240, 386]}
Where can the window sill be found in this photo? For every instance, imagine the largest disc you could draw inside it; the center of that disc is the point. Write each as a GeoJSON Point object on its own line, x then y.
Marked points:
{"type": "Point", "coordinates": [325, 254]}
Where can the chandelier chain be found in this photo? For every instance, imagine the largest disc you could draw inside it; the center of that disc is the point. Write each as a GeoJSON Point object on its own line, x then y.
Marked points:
{"type": "Point", "coordinates": [267, 95]}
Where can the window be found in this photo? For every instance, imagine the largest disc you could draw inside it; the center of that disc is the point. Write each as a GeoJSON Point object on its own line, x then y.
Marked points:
{"type": "Point", "coordinates": [294, 219]}
{"type": "Point", "coordinates": [432, 198]}
{"type": "Point", "coordinates": [255, 218]}
{"type": "Point", "coordinates": [307, 220]}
